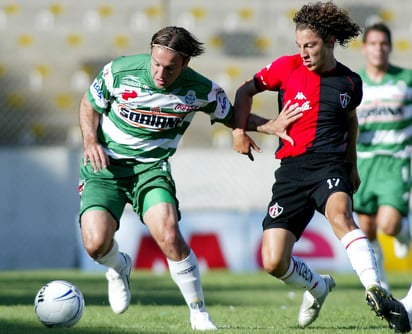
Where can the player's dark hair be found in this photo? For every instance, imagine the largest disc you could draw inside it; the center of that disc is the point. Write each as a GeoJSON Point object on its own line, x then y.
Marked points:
{"type": "Point", "coordinates": [327, 20]}
{"type": "Point", "coordinates": [381, 27]}
{"type": "Point", "coordinates": [179, 40]}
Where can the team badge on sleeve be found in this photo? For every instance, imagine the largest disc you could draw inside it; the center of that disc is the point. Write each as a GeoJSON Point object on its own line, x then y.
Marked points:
{"type": "Point", "coordinates": [344, 99]}
{"type": "Point", "coordinates": [275, 210]}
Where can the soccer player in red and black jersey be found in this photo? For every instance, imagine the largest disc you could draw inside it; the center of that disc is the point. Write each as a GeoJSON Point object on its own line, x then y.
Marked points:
{"type": "Point", "coordinates": [317, 126]}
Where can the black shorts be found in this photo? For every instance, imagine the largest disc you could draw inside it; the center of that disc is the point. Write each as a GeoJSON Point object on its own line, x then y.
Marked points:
{"type": "Point", "coordinates": [302, 185]}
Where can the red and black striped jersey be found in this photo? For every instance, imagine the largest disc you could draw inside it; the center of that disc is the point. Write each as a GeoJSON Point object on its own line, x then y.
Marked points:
{"type": "Point", "coordinates": [325, 98]}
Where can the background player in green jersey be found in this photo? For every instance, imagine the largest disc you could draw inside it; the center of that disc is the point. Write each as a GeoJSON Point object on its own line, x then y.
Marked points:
{"type": "Point", "coordinates": [383, 148]}
{"type": "Point", "coordinates": [132, 118]}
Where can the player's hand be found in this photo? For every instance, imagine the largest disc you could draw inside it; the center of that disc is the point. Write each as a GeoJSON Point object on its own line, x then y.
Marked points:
{"type": "Point", "coordinates": [288, 115]}
{"type": "Point", "coordinates": [94, 153]}
{"type": "Point", "coordinates": [243, 144]}
{"type": "Point", "coordinates": [355, 179]}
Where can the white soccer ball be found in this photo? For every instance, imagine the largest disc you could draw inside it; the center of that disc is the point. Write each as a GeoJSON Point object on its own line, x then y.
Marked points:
{"type": "Point", "coordinates": [59, 304]}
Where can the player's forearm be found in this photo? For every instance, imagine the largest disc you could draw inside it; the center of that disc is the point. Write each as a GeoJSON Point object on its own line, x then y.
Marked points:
{"type": "Point", "coordinates": [89, 121]}
{"type": "Point", "coordinates": [254, 122]}
{"type": "Point", "coordinates": [243, 106]}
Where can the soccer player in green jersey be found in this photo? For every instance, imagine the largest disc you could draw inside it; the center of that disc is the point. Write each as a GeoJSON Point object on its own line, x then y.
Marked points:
{"type": "Point", "coordinates": [132, 118]}
{"type": "Point", "coordinates": [383, 147]}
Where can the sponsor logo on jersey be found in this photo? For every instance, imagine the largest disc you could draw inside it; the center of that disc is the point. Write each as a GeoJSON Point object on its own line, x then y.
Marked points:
{"type": "Point", "coordinates": [275, 210]}
{"type": "Point", "coordinates": [97, 86]}
{"type": "Point", "coordinates": [300, 96]}
{"type": "Point", "coordinates": [153, 119]}
{"type": "Point", "coordinates": [129, 94]}
{"type": "Point", "coordinates": [131, 80]}
{"type": "Point", "coordinates": [184, 107]}
{"type": "Point", "coordinates": [379, 113]}
{"type": "Point", "coordinates": [222, 101]}
{"type": "Point", "coordinates": [344, 99]}
{"type": "Point", "coordinates": [304, 107]}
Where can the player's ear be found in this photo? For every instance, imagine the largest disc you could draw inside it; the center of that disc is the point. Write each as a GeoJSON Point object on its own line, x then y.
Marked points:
{"type": "Point", "coordinates": [330, 42]}
{"type": "Point", "coordinates": [186, 61]}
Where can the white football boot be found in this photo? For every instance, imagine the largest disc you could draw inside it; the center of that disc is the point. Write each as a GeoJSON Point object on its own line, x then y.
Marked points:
{"type": "Point", "coordinates": [118, 287]}
{"type": "Point", "coordinates": [201, 321]}
{"type": "Point", "coordinates": [407, 303]}
{"type": "Point", "coordinates": [310, 308]}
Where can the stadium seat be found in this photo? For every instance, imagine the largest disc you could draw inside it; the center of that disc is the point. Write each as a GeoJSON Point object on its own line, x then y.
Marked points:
{"type": "Point", "coordinates": [80, 80]}
{"type": "Point", "coordinates": [240, 36]}
{"type": "Point", "coordinates": [44, 20]}
{"type": "Point", "coordinates": [139, 21]}
{"type": "Point", "coordinates": [3, 20]}
{"type": "Point", "coordinates": [12, 9]}
{"type": "Point", "coordinates": [91, 20]}
{"type": "Point", "coordinates": [386, 15]}
{"type": "Point", "coordinates": [25, 40]}
{"type": "Point", "coordinates": [74, 39]}
{"type": "Point", "coordinates": [402, 45]}
{"type": "Point", "coordinates": [121, 41]}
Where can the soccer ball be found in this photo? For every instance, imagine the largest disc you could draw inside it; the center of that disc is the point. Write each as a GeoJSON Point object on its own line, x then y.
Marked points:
{"type": "Point", "coordinates": [59, 304]}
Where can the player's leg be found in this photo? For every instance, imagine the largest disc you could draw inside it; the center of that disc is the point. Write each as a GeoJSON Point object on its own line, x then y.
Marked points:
{"type": "Point", "coordinates": [356, 243]}
{"type": "Point", "coordinates": [289, 212]}
{"type": "Point", "coordinates": [360, 254]}
{"type": "Point", "coordinates": [101, 206]}
{"type": "Point", "coordinates": [160, 216]}
{"type": "Point", "coordinates": [392, 223]}
{"type": "Point", "coordinates": [394, 189]}
{"type": "Point", "coordinates": [368, 225]}
{"type": "Point", "coordinates": [277, 245]}
{"type": "Point", "coordinates": [98, 227]}
{"type": "Point", "coordinates": [365, 203]}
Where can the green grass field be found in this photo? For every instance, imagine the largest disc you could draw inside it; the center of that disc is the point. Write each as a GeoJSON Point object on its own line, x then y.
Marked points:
{"type": "Point", "coordinates": [238, 303]}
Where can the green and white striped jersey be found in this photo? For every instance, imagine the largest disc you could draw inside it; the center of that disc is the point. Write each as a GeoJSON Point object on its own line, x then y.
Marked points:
{"type": "Point", "coordinates": [140, 121]}
{"type": "Point", "coordinates": [385, 115]}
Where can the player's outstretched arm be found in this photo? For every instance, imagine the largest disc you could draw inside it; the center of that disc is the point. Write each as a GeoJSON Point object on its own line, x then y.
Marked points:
{"type": "Point", "coordinates": [242, 143]}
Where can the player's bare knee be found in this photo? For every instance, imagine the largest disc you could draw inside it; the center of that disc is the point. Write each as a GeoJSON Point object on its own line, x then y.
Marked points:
{"type": "Point", "coordinates": [390, 229]}
{"type": "Point", "coordinates": [95, 251]}
{"type": "Point", "coordinates": [274, 267]}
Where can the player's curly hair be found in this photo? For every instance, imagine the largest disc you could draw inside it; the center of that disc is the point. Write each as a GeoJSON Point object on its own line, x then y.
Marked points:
{"type": "Point", "coordinates": [327, 20]}
{"type": "Point", "coordinates": [179, 40]}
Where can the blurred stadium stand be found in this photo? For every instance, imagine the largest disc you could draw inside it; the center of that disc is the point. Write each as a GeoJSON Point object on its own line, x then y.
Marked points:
{"type": "Point", "coordinates": [51, 49]}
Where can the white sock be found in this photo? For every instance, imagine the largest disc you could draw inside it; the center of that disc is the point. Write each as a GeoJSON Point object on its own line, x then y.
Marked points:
{"type": "Point", "coordinates": [113, 259]}
{"type": "Point", "coordinates": [299, 274]}
{"type": "Point", "coordinates": [379, 263]}
{"type": "Point", "coordinates": [361, 256]}
{"type": "Point", "coordinates": [407, 302]}
{"type": "Point", "coordinates": [404, 233]}
{"type": "Point", "coordinates": [186, 275]}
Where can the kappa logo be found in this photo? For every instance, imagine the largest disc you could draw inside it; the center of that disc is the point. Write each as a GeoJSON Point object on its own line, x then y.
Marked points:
{"type": "Point", "coordinates": [344, 99]}
{"type": "Point", "coordinates": [300, 96]}
{"type": "Point", "coordinates": [275, 210]}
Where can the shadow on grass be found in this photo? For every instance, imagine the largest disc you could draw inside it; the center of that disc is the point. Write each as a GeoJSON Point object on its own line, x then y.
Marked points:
{"type": "Point", "coordinates": [19, 327]}
{"type": "Point", "coordinates": [221, 288]}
